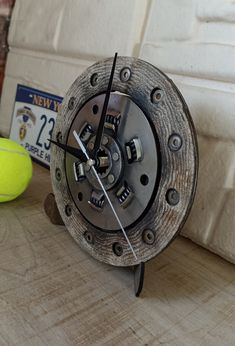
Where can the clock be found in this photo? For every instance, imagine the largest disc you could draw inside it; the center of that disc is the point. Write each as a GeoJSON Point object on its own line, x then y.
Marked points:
{"type": "Point", "coordinates": [124, 161]}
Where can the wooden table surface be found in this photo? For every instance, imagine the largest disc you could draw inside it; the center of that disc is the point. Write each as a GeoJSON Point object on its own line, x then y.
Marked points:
{"type": "Point", "coordinates": [52, 293]}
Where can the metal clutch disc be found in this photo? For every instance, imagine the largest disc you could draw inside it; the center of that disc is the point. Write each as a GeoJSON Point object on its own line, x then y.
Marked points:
{"type": "Point", "coordinates": [147, 161]}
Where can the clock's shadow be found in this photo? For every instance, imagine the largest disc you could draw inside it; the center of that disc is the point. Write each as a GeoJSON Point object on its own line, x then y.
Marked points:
{"type": "Point", "coordinates": [183, 272]}
{"type": "Point", "coordinates": [179, 273]}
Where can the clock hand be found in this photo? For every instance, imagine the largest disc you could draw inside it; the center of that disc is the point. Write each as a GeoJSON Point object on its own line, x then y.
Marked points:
{"type": "Point", "coordinates": [71, 150]}
{"type": "Point", "coordinates": [105, 192]}
{"type": "Point", "coordinates": [104, 111]}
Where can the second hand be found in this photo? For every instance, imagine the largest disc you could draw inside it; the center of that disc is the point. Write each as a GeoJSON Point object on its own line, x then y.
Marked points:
{"type": "Point", "coordinates": [105, 192]}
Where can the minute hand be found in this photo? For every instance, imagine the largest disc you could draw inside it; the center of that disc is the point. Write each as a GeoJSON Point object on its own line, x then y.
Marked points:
{"type": "Point", "coordinates": [104, 110]}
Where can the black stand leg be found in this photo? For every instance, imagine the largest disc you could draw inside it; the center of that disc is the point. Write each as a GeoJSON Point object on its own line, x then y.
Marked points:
{"type": "Point", "coordinates": [139, 278]}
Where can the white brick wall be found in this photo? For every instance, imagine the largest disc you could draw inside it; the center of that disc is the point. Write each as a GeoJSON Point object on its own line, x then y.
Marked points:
{"type": "Point", "coordinates": [52, 41]}
{"type": "Point", "coordinates": [193, 41]}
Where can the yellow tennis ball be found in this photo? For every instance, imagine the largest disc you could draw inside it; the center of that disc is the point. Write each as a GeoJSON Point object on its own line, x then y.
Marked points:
{"type": "Point", "coordinates": [15, 169]}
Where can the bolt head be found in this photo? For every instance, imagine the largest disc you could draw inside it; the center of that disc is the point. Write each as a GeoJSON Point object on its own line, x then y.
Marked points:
{"type": "Point", "coordinates": [58, 174]}
{"type": "Point", "coordinates": [89, 164]}
{"type": "Point", "coordinates": [71, 103]}
{"type": "Point", "coordinates": [68, 210]}
{"type": "Point", "coordinates": [148, 236]}
{"type": "Point", "coordinates": [156, 95]}
{"type": "Point", "coordinates": [94, 79]}
{"type": "Point", "coordinates": [174, 142]}
{"type": "Point", "coordinates": [117, 249]}
{"type": "Point", "coordinates": [90, 145]}
{"type": "Point", "coordinates": [115, 157]}
{"type": "Point", "coordinates": [172, 197]}
{"type": "Point", "coordinates": [111, 178]}
{"type": "Point", "coordinates": [89, 237]}
{"type": "Point", "coordinates": [105, 140]}
{"type": "Point", "coordinates": [125, 74]}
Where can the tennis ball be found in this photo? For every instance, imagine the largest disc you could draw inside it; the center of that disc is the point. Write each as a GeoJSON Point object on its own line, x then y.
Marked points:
{"type": "Point", "coordinates": [15, 169]}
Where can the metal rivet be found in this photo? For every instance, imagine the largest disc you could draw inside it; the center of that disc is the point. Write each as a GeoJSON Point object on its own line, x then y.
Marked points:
{"type": "Point", "coordinates": [125, 74]}
{"type": "Point", "coordinates": [175, 142]}
{"type": "Point", "coordinates": [71, 103]}
{"type": "Point", "coordinates": [148, 236]}
{"type": "Point", "coordinates": [58, 174]}
{"type": "Point", "coordinates": [117, 249]}
{"type": "Point", "coordinates": [90, 145]}
{"type": "Point", "coordinates": [105, 140]}
{"type": "Point", "coordinates": [68, 210]}
{"type": "Point", "coordinates": [115, 157]}
{"type": "Point", "coordinates": [59, 137]}
{"type": "Point", "coordinates": [89, 237]}
{"type": "Point", "coordinates": [156, 95]}
{"type": "Point", "coordinates": [94, 79]}
{"type": "Point", "coordinates": [172, 197]}
{"type": "Point", "coordinates": [111, 178]}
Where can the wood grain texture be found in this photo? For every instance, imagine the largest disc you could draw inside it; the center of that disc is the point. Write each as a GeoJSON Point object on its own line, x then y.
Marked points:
{"type": "Point", "coordinates": [54, 293]}
{"type": "Point", "coordinates": [178, 169]}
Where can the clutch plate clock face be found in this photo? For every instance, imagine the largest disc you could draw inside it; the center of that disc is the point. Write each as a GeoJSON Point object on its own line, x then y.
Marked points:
{"type": "Point", "coordinates": [124, 161]}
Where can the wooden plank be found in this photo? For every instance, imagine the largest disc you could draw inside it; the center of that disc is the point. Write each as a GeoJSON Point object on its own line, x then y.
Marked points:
{"type": "Point", "coordinates": [53, 293]}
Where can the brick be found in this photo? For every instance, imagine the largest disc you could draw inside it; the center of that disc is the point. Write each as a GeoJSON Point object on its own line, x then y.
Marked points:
{"type": "Point", "coordinates": [78, 28]}
{"type": "Point", "coordinates": [35, 27]}
{"type": "Point", "coordinates": [215, 183]}
{"type": "Point", "coordinates": [104, 28]}
{"type": "Point", "coordinates": [223, 238]}
{"type": "Point", "coordinates": [211, 104]}
{"type": "Point", "coordinates": [176, 30]}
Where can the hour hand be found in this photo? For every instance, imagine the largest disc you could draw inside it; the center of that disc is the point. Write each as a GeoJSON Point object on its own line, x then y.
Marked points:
{"type": "Point", "coordinates": [71, 150]}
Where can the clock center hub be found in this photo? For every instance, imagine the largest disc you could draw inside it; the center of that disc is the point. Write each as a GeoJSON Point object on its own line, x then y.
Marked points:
{"type": "Point", "coordinates": [127, 162]}
{"type": "Point", "coordinates": [109, 163]}
{"type": "Point", "coordinates": [103, 162]}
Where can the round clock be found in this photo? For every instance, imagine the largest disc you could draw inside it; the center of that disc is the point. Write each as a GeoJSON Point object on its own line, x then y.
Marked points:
{"type": "Point", "coordinates": [124, 161]}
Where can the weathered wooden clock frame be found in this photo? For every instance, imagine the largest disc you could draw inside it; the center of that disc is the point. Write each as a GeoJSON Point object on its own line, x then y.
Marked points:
{"type": "Point", "coordinates": [163, 105]}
